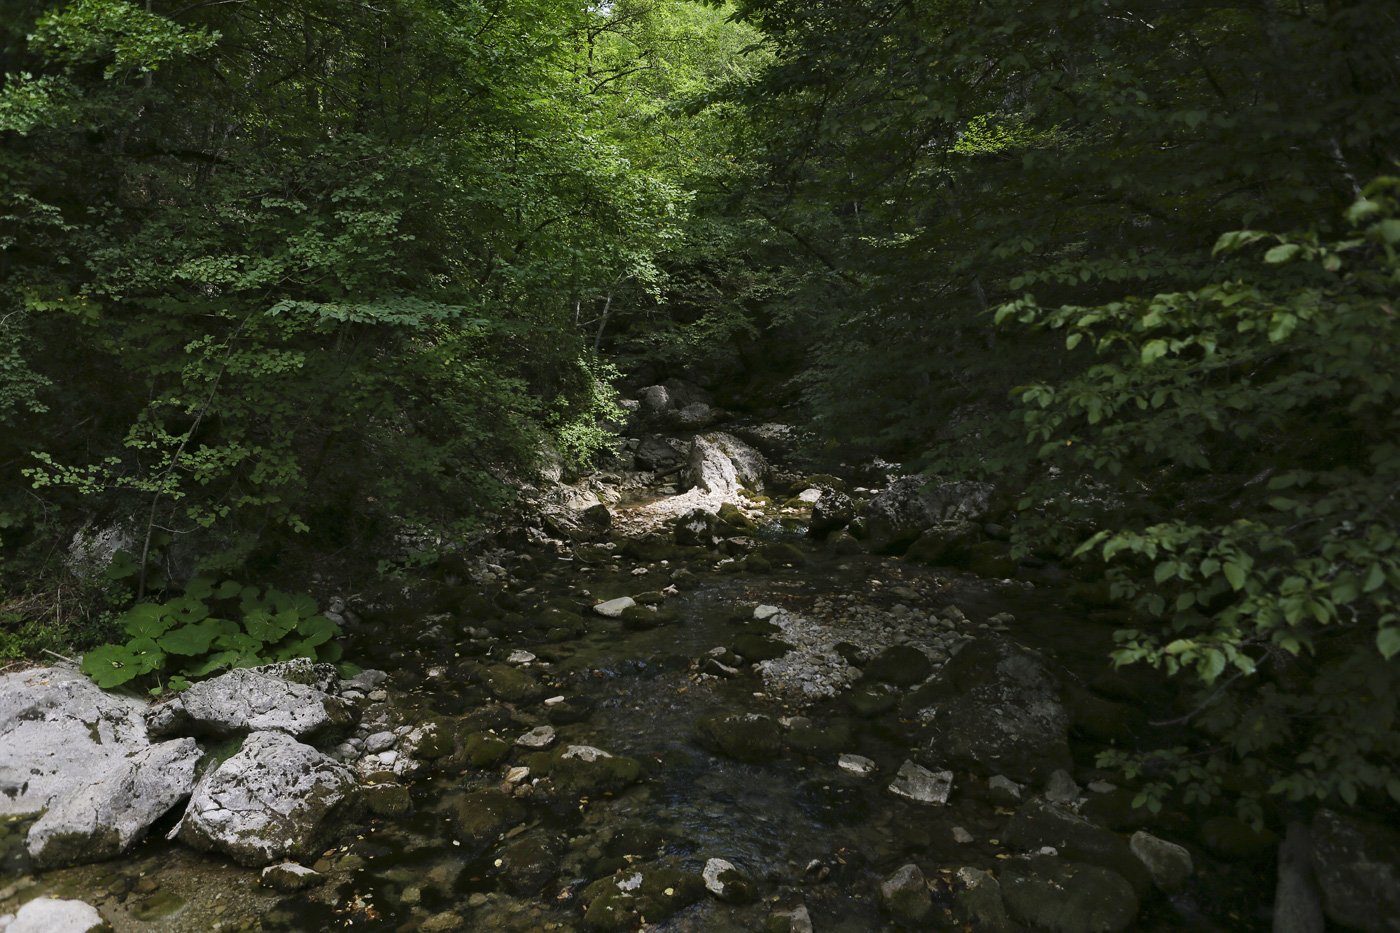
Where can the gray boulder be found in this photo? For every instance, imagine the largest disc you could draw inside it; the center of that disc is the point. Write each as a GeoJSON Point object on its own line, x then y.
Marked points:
{"type": "Point", "coordinates": [1358, 869]}
{"type": "Point", "coordinates": [655, 401]}
{"type": "Point", "coordinates": [654, 453]}
{"type": "Point", "coordinates": [698, 527]}
{"type": "Point", "coordinates": [276, 798]}
{"type": "Point", "coordinates": [978, 903]}
{"type": "Point", "coordinates": [1062, 896]}
{"type": "Point", "coordinates": [1168, 863]}
{"type": "Point", "coordinates": [897, 516]}
{"type": "Point", "coordinates": [58, 729]}
{"type": "Point", "coordinates": [832, 511]}
{"type": "Point", "coordinates": [1040, 823]}
{"type": "Point", "coordinates": [103, 819]}
{"type": "Point", "coordinates": [921, 785]}
{"type": "Point", "coordinates": [43, 915]}
{"type": "Point", "coordinates": [904, 895]}
{"type": "Point", "coordinates": [256, 699]}
{"type": "Point", "coordinates": [1297, 901]}
{"type": "Point", "coordinates": [1002, 713]}
{"type": "Point", "coordinates": [720, 463]}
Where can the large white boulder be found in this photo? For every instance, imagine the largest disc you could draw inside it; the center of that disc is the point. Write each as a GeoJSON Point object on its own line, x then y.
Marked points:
{"type": "Point", "coordinates": [57, 730]}
{"type": "Point", "coordinates": [256, 699]}
{"type": "Point", "coordinates": [110, 813]}
{"type": "Point", "coordinates": [276, 798]}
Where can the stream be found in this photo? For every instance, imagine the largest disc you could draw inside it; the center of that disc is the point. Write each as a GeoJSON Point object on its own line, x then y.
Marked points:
{"type": "Point", "coordinates": [803, 830]}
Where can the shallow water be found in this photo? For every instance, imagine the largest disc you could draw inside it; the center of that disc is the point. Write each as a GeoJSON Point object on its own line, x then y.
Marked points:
{"type": "Point", "coordinates": [804, 829]}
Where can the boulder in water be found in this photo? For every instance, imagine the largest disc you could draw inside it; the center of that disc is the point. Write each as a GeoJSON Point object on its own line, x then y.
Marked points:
{"type": "Point", "coordinates": [1358, 869]}
{"type": "Point", "coordinates": [276, 798]}
{"type": "Point", "coordinates": [1062, 896]}
{"type": "Point", "coordinates": [103, 819]}
{"type": "Point", "coordinates": [897, 516]}
{"type": "Point", "coordinates": [57, 731]}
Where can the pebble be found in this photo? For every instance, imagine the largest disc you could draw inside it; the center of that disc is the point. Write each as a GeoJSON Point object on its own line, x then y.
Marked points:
{"type": "Point", "coordinates": [520, 656]}
{"type": "Point", "coordinates": [961, 835]}
{"type": "Point", "coordinates": [378, 696]}
{"type": "Point", "coordinates": [856, 764]}
{"type": "Point", "coordinates": [538, 737]}
{"type": "Point", "coordinates": [380, 741]}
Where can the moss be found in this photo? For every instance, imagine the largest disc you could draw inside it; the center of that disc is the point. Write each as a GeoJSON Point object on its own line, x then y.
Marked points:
{"type": "Point", "coordinates": [754, 563]}
{"type": "Point", "coordinates": [782, 554]}
{"type": "Point", "coordinates": [650, 893]}
{"type": "Point", "coordinates": [483, 750]}
{"type": "Point", "coordinates": [581, 778]}
{"type": "Point", "coordinates": [755, 648]}
{"type": "Point", "coordinates": [732, 516]}
{"type": "Point", "coordinates": [480, 818]}
{"type": "Point", "coordinates": [387, 800]}
{"type": "Point", "coordinates": [739, 736]}
{"type": "Point", "coordinates": [642, 617]}
{"type": "Point", "coordinates": [512, 685]}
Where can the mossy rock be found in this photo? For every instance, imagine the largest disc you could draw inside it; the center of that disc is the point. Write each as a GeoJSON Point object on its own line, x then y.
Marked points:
{"type": "Point", "coordinates": [651, 893]}
{"type": "Point", "coordinates": [483, 750]}
{"type": "Point", "coordinates": [947, 544]}
{"type": "Point", "coordinates": [844, 544]}
{"type": "Point", "coordinates": [637, 839]}
{"type": "Point", "coordinates": [477, 607]}
{"type": "Point", "coordinates": [685, 579]}
{"type": "Point", "coordinates": [650, 549]}
{"type": "Point", "coordinates": [553, 617]}
{"type": "Point", "coordinates": [650, 598]}
{"type": "Point", "coordinates": [1055, 894]}
{"type": "Point", "coordinates": [822, 740]}
{"type": "Point", "coordinates": [529, 861]}
{"type": "Point", "coordinates": [869, 702]}
{"type": "Point", "coordinates": [732, 516]}
{"type": "Point", "coordinates": [782, 554]}
{"type": "Point", "coordinates": [390, 801]}
{"type": "Point", "coordinates": [572, 710]}
{"type": "Point", "coordinates": [755, 648]}
{"type": "Point", "coordinates": [753, 563]}
{"type": "Point", "coordinates": [576, 776]}
{"type": "Point", "coordinates": [640, 618]}
{"type": "Point", "coordinates": [901, 665]}
{"type": "Point", "coordinates": [745, 737]}
{"type": "Point", "coordinates": [512, 685]}
{"type": "Point", "coordinates": [991, 559]}
{"type": "Point", "coordinates": [796, 503]}
{"type": "Point", "coordinates": [823, 481]}
{"type": "Point", "coordinates": [509, 623]}
{"type": "Point", "coordinates": [592, 554]}
{"type": "Point", "coordinates": [482, 817]}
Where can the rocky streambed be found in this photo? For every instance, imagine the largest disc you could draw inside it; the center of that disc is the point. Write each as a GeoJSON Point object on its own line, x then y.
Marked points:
{"type": "Point", "coordinates": [688, 715]}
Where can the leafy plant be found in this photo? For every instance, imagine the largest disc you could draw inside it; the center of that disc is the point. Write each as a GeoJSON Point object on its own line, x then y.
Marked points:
{"type": "Point", "coordinates": [1239, 445]}
{"type": "Point", "coordinates": [182, 639]}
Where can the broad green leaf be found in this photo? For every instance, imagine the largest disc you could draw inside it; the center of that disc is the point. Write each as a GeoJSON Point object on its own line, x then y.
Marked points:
{"type": "Point", "coordinates": [148, 620]}
{"type": "Point", "coordinates": [318, 629]}
{"type": "Point", "coordinates": [1282, 253]}
{"type": "Point", "coordinates": [190, 639]}
{"type": "Point", "coordinates": [109, 665]}
{"type": "Point", "coordinates": [1388, 641]}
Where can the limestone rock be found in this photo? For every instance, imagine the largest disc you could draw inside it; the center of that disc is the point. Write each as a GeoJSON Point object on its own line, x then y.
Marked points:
{"type": "Point", "coordinates": [57, 730]}
{"type": "Point", "coordinates": [789, 920]}
{"type": "Point", "coordinates": [922, 785]}
{"type": "Point", "coordinates": [855, 764]}
{"type": "Point", "coordinates": [720, 463]}
{"type": "Point", "coordinates": [1003, 713]}
{"type": "Point", "coordinates": [902, 512]}
{"type": "Point", "coordinates": [726, 882]}
{"type": "Point", "coordinates": [698, 528]}
{"type": "Point", "coordinates": [1297, 901]}
{"type": "Point", "coordinates": [276, 798]}
{"type": "Point", "coordinates": [1168, 863]}
{"type": "Point", "coordinates": [978, 902]}
{"type": "Point", "coordinates": [612, 608]}
{"type": "Point", "coordinates": [43, 915]}
{"type": "Point", "coordinates": [256, 699]}
{"type": "Point", "coordinates": [832, 511]}
{"type": "Point", "coordinates": [618, 902]}
{"type": "Point", "coordinates": [289, 876]}
{"type": "Point", "coordinates": [104, 818]}
{"type": "Point", "coordinates": [1062, 896]}
{"type": "Point", "coordinates": [1040, 823]}
{"type": "Point", "coordinates": [904, 895]}
{"type": "Point", "coordinates": [1358, 869]}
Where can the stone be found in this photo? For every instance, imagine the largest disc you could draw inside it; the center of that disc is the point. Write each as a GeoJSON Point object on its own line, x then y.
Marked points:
{"type": "Point", "coordinates": [105, 818]}
{"type": "Point", "coordinates": [1061, 788]}
{"type": "Point", "coordinates": [727, 883]}
{"type": "Point", "coordinates": [978, 902]}
{"type": "Point", "coordinates": [764, 613]}
{"type": "Point", "coordinates": [901, 665]}
{"type": "Point", "coordinates": [585, 771]}
{"type": "Point", "coordinates": [1062, 896]}
{"type": "Point", "coordinates": [380, 741]}
{"type": "Point", "coordinates": [428, 740]}
{"type": "Point", "coordinates": [1297, 900]}
{"type": "Point", "coordinates": [255, 699]}
{"type": "Point", "coordinates": [1039, 823]}
{"type": "Point", "coordinates": [1358, 870]}
{"type": "Point", "coordinates": [1168, 863]}
{"type": "Point", "coordinates": [946, 544]}
{"type": "Point", "coordinates": [276, 798]}
{"type": "Point", "coordinates": [904, 510]}
{"type": "Point", "coordinates": [1003, 791]}
{"type": "Point", "coordinates": [905, 896]}
{"type": "Point", "coordinates": [742, 736]}
{"type": "Point", "coordinates": [57, 730]}
{"type": "Point", "coordinates": [698, 528]}
{"type": "Point", "coordinates": [962, 837]}
{"type": "Point", "coordinates": [480, 818]}
{"type": "Point", "coordinates": [527, 863]}
{"type": "Point", "coordinates": [720, 464]}
{"type": "Point", "coordinates": [855, 764]}
{"type": "Point", "coordinates": [789, 920]}
{"type": "Point", "coordinates": [831, 511]}
{"type": "Point", "coordinates": [512, 684]}
{"type": "Point", "coordinates": [537, 738]}
{"type": "Point", "coordinates": [288, 877]}
{"type": "Point", "coordinates": [44, 915]}
{"type": "Point", "coordinates": [618, 902]}
{"type": "Point", "coordinates": [921, 785]}
{"type": "Point", "coordinates": [758, 648]}
{"type": "Point", "coordinates": [612, 608]}
{"type": "Point", "coordinates": [1002, 714]}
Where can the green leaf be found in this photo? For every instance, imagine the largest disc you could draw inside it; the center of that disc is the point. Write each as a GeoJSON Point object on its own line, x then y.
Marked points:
{"type": "Point", "coordinates": [1388, 641]}
{"type": "Point", "coordinates": [1235, 573]}
{"type": "Point", "coordinates": [317, 630]}
{"type": "Point", "coordinates": [1282, 253]}
{"type": "Point", "coordinates": [148, 620]}
{"type": "Point", "coordinates": [146, 655]}
{"type": "Point", "coordinates": [269, 628]}
{"type": "Point", "coordinates": [1153, 350]}
{"type": "Point", "coordinates": [191, 639]}
{"type": "Point", "coordinates": [109, 665]}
